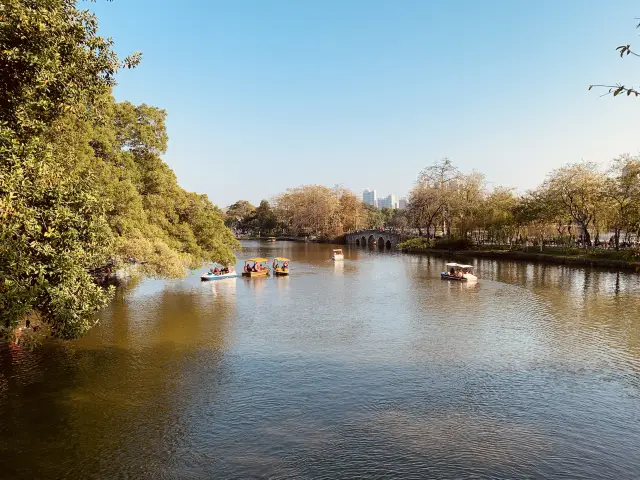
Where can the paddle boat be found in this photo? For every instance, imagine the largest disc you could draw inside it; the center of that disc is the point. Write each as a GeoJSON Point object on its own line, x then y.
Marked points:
{"type": "Point", "coordinates": [218, 272]}
{"type": "Point", "coordinates": [281, 266]}
{"type": "Point", "coordinates": [271, 239]}
{"type": "Point", "coordinates": [259, 268]}
{"type": "Point", "coordinates": [458, 273]}
{"type": "Point", "coordinates": [337, 254]}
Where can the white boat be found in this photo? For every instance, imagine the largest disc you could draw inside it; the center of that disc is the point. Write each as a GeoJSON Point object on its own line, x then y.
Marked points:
{"type": "Point", "coordinates": [219, 276]}
{"type": "Point", "coordinates": [212, 275]}
{"type": "Point", "coordinates": [458, 273]}
{"type": "Point", "coordinates": [338, 255]}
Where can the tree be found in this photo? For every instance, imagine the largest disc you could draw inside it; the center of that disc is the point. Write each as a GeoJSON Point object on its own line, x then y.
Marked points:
{"type": "Point", "coordinates": [53, 227]}
{"type": "Point", "coordinates": [82, 183]}
{"type": "Point", "coordinates": [498, 212]}
{"type": "Point", "coordinates": [399, 220]}
{"type": "Point", "coordinates": [309, 210]}
{"type": "Point", "coordinates": [350, 208]}
{"type": "Point", "coordinates": [239, 214]}
{"type": "Point", "coordinates": [426, 204]}
{"type": "Point", "coordinates": [623, 191]}
{"type": "Point", "coordinates": [467, 199]}
{"type": "Point", "coordinates": [264, 217]}
{"type": "Point", "coordinates": [578, 188]}
{"type": "Point", "coordinates": [442, 175]}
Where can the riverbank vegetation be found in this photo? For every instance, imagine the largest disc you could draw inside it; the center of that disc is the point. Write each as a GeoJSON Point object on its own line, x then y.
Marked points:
{"type": "Point", "coordinates": [580, 209]}
{"type": "Point", "coordinates": [309, 210]}
{"type": "Point", "coordinates": [82, 182]}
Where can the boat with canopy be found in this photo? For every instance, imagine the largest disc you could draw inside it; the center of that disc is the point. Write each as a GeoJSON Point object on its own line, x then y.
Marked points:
{"type": "Point", "coordinates": [258, 269]}
{"type": "Point", "coordinates": [337, 254]}
{"type": "Point", "coordinates": [459, 273]}
{"type": "Point", "coordinates": [281, 266]}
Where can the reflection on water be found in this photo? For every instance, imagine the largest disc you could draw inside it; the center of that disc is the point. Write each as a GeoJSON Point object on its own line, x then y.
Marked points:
{"type": "Point", "coordinates": [338, 267]}
{"type": "Point", "coordinates": [368, 367]}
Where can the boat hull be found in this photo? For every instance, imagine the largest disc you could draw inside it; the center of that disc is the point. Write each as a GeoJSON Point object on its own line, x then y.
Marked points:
{"type": "Point", "coordinates": [264, 273]}
{"type": "Point", "coordinates": [466, 278]}
{"type": "Point", "coordinates": [281, 274]}
{"type": "Point", "coordinates": [210, 276]}
{"type": "Point", "coordinates": [446, 276]}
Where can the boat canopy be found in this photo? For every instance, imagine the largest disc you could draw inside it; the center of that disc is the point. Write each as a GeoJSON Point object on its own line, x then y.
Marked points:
{"type": "Point", "coordinates": [258, 259]}
{"type": "Point", "coordinates": [453, 265]}
{"type": "Point", "coordinates": [465, 266]}
{"type": "Point", "coordinates": [281, 259]}
{"type": "Point", "coordinates": [337, 250]}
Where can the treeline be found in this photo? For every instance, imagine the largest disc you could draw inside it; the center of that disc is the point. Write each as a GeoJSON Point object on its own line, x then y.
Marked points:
{"type": "Point", "coordinates": [576, 205]}
{"type": "Point", "coordinates": [309, 210]}
{"type": "Point", "coordinates": [82, 182]}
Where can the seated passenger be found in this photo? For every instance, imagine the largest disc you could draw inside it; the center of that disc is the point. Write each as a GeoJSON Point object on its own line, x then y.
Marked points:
{"type": "Point", "coordinates": [452, 271]}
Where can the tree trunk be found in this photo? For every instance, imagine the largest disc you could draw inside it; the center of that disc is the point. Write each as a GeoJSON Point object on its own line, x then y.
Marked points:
{"type": "Point", "coordinates": [616, 238]}
{"type": "Point", "coordinates": [586, 236]}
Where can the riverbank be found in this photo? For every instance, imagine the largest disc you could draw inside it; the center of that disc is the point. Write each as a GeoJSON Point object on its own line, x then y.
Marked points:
{"type": "Point", "coordinates": [584, 260]}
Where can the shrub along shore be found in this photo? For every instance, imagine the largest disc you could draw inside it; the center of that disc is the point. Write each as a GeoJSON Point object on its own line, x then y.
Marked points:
{"type": "Point", "coordinates": [624, 260]}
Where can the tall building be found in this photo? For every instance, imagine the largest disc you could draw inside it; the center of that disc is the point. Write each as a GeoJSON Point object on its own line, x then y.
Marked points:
{"type": "Point", "coordinates": [402, 203]}
{"type": "Point", "coordinates": [369, 197]}
{"type": "Point", "coordinates": [389, 202]}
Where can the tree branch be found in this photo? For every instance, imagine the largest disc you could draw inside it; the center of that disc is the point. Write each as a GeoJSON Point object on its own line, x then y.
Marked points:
{"type": "Point", "coordinates": [616, 90]}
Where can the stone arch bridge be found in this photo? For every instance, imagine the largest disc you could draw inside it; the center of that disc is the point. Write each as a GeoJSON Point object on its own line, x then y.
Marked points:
{"type": "Point", "coordinates": [370, 238]}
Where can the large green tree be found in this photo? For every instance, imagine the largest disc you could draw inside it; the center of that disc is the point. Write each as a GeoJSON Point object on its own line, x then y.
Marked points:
{"type": "Point", "coordinates": [82, 182]}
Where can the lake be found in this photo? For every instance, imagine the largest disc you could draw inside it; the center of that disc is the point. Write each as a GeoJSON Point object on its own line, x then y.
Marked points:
{"type": "Point", "coordinates": [373, 367]}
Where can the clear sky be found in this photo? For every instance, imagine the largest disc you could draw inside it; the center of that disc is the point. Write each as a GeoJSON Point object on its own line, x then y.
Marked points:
{"type": "Point", "coordinates": [264, 95]}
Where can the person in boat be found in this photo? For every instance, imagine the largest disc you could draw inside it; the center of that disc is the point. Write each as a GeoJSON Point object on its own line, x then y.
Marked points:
{"type": "Point", "coordinates": [216, 271]}
{"type": "Point", "coordinates": [452, 272]}
{"type": "Point", "coordinates": [285, 266]}
{"type": "Point", "coordinates": [275, 264]}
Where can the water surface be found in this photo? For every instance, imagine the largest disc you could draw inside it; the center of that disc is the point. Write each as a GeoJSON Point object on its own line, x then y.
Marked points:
{"type": "Point", "coordinates": [373, 367]}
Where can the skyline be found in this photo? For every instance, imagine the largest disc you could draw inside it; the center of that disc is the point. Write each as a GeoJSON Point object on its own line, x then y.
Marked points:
{"type": "Point", "coordinates": [261, 97]}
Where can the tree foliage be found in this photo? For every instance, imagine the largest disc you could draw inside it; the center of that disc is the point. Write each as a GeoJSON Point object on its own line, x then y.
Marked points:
{"type": "Point", "coordinates": [82, 182]}
{"type": "Point", "coordinates": [576, 204]}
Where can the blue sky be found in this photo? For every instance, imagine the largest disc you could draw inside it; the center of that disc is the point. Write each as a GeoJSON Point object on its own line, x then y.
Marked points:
{"type": "Point", "coordinates": [264, 95]}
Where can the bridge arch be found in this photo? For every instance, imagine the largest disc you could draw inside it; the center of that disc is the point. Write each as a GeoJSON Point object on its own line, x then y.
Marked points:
{"type": "Point", "coordinates": [367, 238]}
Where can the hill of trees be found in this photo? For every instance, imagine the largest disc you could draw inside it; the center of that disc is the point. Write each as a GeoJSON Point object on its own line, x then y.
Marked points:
{"type": "Point", "coordinates": [82, 182]}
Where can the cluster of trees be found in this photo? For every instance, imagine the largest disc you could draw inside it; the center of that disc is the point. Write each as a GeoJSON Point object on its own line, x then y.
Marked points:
{"type": "Point", "coordinates": [310, 210]}
{"type": "Point", "coordinates": [82, 182]}
{"type": "Point", "coordinates": [576, 204]}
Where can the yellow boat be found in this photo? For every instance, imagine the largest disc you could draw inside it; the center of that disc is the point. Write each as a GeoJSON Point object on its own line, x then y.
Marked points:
{"type": "Point", "coordinates": [258, 262]}
{"type": "Point", "coordinates": [281, 270]}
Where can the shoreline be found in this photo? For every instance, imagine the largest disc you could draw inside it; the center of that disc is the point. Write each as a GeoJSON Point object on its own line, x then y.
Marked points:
{"type": "Point", "coordinates": [575, 261]}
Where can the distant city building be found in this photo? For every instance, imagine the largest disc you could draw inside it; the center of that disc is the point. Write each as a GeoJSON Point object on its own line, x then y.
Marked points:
{"type": "Point", "coordinates": [369, 197]}
{"type": "Point", "coordinates": [389, 202]}
{"type": "Point", "coordinates": [402, 203]}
